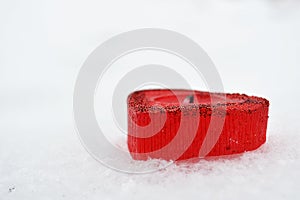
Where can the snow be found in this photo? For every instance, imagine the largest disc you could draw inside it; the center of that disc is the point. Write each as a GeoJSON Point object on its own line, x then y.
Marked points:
{"type": "Point", "coordinates": [254, 44]}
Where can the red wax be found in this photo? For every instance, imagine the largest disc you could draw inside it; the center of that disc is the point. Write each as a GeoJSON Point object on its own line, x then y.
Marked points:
{"type": "Point", "coordinates": [156, 117]}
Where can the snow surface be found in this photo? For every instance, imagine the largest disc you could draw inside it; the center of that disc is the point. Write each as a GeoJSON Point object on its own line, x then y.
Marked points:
{"type": "Point", "coordinates": [254, 44]}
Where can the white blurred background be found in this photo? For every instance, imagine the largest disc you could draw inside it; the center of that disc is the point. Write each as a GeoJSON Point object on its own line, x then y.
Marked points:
{"type": "Point", "coordinates": [255, 45]}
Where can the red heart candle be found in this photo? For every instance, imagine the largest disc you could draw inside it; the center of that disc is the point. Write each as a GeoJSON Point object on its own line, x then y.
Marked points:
{"type": "Point", "coordinates": [173, 124]}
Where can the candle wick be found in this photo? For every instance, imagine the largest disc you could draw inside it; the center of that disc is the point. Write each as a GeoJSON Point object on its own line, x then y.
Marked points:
{"type": "Point", "coordinates": [189, 98]}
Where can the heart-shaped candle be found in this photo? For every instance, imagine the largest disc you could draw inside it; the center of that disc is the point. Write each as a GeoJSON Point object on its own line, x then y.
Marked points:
{"type": "Point", "coordinates": [173, 124]}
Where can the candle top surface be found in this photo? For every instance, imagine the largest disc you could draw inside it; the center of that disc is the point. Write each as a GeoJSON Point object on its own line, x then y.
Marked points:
{"type": "Point", "coordinates": [182, 98]}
